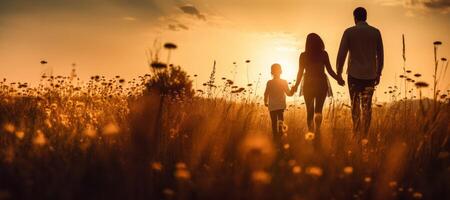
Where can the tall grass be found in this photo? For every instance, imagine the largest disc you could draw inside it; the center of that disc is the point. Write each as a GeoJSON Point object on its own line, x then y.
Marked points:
{"type": "Point", "coordinates": [99, 141]}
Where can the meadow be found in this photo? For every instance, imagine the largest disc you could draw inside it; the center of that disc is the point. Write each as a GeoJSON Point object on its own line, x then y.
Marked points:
{"type": "Point", "coordinates": [102, 140]}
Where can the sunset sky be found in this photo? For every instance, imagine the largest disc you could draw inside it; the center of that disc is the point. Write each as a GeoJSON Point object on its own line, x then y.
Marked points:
{"type": "Point", "coordinates": [110, 37]}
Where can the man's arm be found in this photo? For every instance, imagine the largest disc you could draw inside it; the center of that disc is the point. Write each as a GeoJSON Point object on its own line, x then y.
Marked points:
{"type": "Point", "coordinates": [380, 54]}
{"type": "Point", "coordinates": [342, 54]}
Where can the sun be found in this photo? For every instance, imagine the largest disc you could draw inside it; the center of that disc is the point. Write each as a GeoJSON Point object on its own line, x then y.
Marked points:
{"type": "Point", "coordinates": [290, 69]}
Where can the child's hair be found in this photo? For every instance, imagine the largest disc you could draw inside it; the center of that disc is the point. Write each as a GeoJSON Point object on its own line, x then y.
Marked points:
{"type": "Point", "coordinates": [275, 68]}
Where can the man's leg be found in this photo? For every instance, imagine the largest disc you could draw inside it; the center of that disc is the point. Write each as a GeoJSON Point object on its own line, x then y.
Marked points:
{"type": "Point", "coordinates": [366, 103]}
{"type": "Point", "coordinates": [353, 87]}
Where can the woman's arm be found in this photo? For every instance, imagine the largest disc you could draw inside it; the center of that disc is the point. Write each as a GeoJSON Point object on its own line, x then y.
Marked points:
{"type": "Point", "coordinates": [330, 70]}
{"type": "Point", "coordinates": [328, 66]}
{"type": "Point", "coordinates": [301, 69]}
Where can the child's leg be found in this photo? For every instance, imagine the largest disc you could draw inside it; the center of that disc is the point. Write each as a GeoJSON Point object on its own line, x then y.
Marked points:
{"type": "Point", "coordinates": [273, 118]}
{"type": "Point", "coordinates": [309, 102]}
{"type": "Point", "coordinates": [277, 136]}
{"type": "Point", "coordinates": [280, 120]}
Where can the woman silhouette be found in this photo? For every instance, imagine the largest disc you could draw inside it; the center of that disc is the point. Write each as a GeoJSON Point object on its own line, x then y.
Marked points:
{"type": "Point", "coordinates": [315, 86]}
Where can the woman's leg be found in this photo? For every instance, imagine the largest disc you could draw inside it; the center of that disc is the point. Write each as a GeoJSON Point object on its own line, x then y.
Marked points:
{"type": "Point", "coordinates": [320, 100]}
{"type": "Point", "coordinates": [309, 102]}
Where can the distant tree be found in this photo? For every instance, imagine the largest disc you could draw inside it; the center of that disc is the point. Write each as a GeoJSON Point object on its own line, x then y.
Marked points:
{"type": "Point", "coordinates": [171, 81]}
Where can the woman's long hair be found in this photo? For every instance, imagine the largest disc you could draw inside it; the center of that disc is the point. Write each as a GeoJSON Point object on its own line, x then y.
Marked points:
{"type": "Point", "coordinates": [314, 46]}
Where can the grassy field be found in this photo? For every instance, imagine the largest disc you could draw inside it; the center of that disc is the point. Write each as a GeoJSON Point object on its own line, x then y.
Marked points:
{"type": "Point", "coordinates": [100, 140]}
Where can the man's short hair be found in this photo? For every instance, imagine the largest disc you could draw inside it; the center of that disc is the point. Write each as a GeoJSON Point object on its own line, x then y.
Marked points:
{"type": "Point", "coordinates": [360, 14]}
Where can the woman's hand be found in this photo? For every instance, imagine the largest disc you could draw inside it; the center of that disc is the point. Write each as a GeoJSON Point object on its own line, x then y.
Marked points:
{"type": "Point", "coordinates": [294, 89]}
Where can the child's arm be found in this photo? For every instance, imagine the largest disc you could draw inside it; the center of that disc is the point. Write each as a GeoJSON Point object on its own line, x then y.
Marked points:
{"type": "Point", "coordinates": [266, 95]}
{"type": "Point", "coordinates": [289, 92]}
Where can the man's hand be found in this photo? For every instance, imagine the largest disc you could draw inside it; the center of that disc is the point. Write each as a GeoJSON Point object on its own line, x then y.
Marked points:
{"type": "Point", "coordinates": [377, 80]}
{"type": "Point", "coordinates": [340, 80]}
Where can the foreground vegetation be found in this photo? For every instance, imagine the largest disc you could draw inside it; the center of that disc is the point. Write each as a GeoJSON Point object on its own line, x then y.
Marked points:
{"type": "Point", "coordinates": [101, 140]}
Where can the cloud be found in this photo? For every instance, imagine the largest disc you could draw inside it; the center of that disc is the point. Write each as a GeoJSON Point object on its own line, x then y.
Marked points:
{"type": "Point", "coordinates": [177, 27]}
{"type": "Point", "coordinates": [437, 4]}
{"type": "Point", "coordinates": [440, 5]}
{"type": "Point", "coordinates": [192, 10]}
{"type": "Point", "coordinates": [128, 18]}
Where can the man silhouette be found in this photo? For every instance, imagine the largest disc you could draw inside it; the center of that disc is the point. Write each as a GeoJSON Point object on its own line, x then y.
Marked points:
{"type": "Point", "coordinates": [365, 46]}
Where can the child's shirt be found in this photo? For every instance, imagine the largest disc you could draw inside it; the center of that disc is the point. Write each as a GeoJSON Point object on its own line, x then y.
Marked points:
{"type": "Point", "coordinates": [276, 90]}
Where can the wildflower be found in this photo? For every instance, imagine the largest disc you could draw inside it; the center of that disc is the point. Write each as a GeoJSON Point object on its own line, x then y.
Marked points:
{"type": "Point", "coordinates": [158, 65]}
{"type": "Point", "coordinates": [170, 45]}
{"type": "Point", "coordinates": [314, 171]}
{"type": "Point", "coordinates": [408, 71]}
{"type": "Point", "coordinates": [40, 139]}
{"type": "Point", "coordinates": [110, 129]}
{"type": "Point", "coordinates": [53, 106]}
{"type": "Point", "coordinates": [257, 150]}
{"type": "Point", "coordinates": [8, 127]}
{"type": "Point", "coordinates": [348, 170]}
{"type": "Point", "coordinates": [417, 195]}
{"type": "Point", "coordinates": [296, 170]}
{"type": "Point", "coordinates": [90, 131]}
{"type": "Point", "coordinates": [421, 84]}
{"type": "Point", "coordinates": [364, 141]}
{"type": "Point", "coordinates": [417, 75]}
{"type": "Point", "coordinates": [157, 166]}
{"type": "Point", "coordinates": [121, 81]}
{"type": "Point", "coordinates": [247, 61]}
{"type": "Point", "coordinates": [284, 127]}
{"type": "Point", "coordinates": [20, 134]}
{"type": "Point", "coordinates": [392, 184]}
{"type": "Point", "coordinates": [48, 123]}
{"type": "Point", "coordinates": [168, 192]}
{"type": "Point", "coordinates": [182, 174]}
{"type": "Point", "coordinates": [249, 85]}
{"type": "Point", "coordinates": [261, 177]}
{"type": "Point", "coordinates": [437, 43]}
{"type": "Point", "coordinates": [309, 136]}
{"type": "Point", "coordinates": [443, 59]}
{"type": "Point", "coordinates": [43, 62]}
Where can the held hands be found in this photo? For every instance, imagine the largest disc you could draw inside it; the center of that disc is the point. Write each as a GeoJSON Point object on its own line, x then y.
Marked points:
{"type": "Point", "coordinates": [294, 89]}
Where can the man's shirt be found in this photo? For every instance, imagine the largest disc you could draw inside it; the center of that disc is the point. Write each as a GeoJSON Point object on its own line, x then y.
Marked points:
{"type": "Point", "coordinates": [365, 46]}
